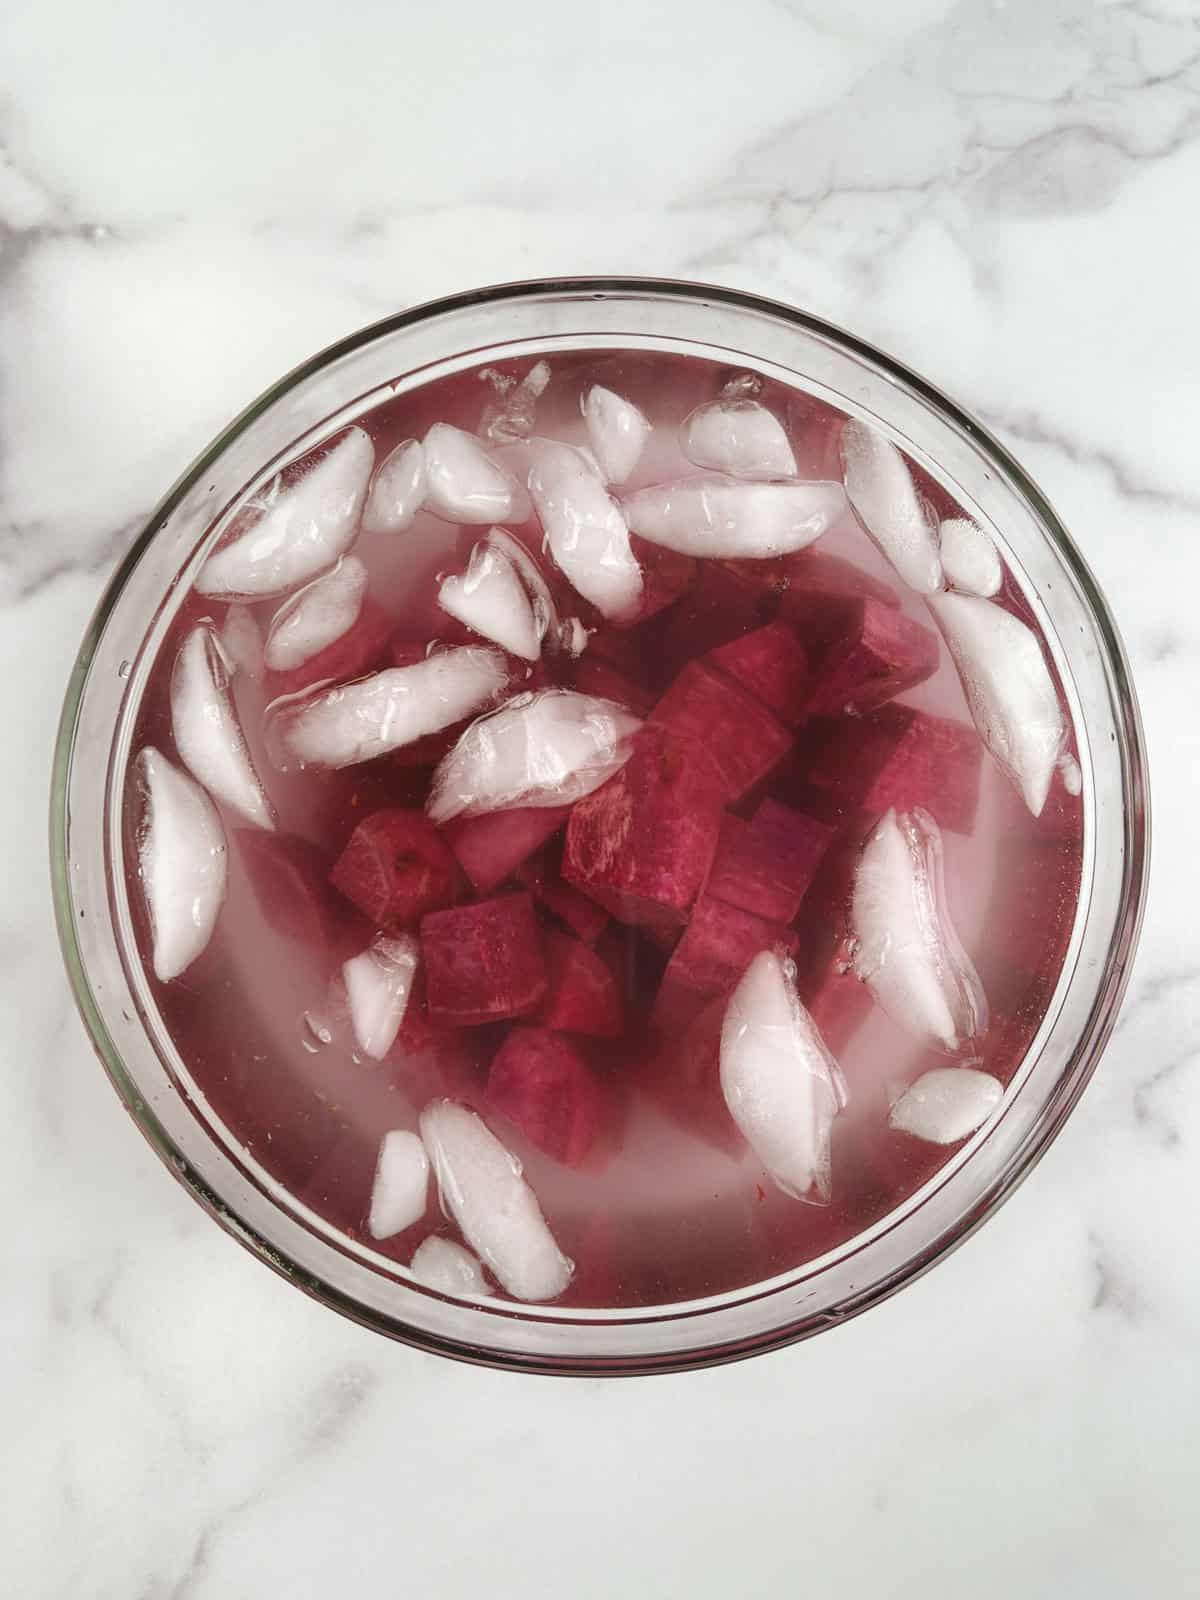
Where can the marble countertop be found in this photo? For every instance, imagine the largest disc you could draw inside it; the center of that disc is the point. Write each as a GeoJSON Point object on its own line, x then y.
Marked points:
{"type": "Point", "coordinates": [194, 198]}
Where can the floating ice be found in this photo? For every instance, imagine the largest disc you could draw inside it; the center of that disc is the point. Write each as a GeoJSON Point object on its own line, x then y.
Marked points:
{"type": "Point", "coordinates": [740, 437]}
{"type": "Point", "coordinates": [483, 1190]}
{"type": "Point", "coordinates": [241, 641]}
{"type": "Point", "coordinates": [617, 432]}
{"type": "Point", "coordinates": [401, 1189]}
{"type": "Point", "coordinates": [879, 487]}
{"type": "Point", "coordinates": [464, 484]}
{"type": "Point", "coordinates": [299, 530]}
{"type": "Point", "coordinates": [906, 949]}
{"type": "Point", "coordinates": [491, 599]}
{"type": "Point", "coordinates": [781, 1084]}
{"type": "Point", "coordinates": [574, 636]}
{"type": "Point", "coordinates": [1070, 773]}
{"type": "Point", "coordinates": [569, 634]}
{"type": "Point", "coordinates": [445, 1266]}
{"type": "Point", "coordinates": [316, 615]}
{"type": "Point", "coordinates": [970, 560]}
{"type": "Point", "coordinates": [1008, 687]}
{"type": "Point", "coordinates": [182, 862]}
{"type": "Point", "coordinates": [720, 517]}
{"type": "Point", "coordinates": [545, 749]}
{"type": "Point", "coordinates": [208, 736]}
{"type": "Point", "coordinates": [512, 417]}
{"type": "Point", "coordinates": [585, 529]}
{"type": "Point", "coordinates": [378, 986]}
{"type": "Point", "coordinates": [398, 490]}
{"type": "Point", "coordinates": [358, 721]}
{"type": "Point", "coordinates": [947, 1104]}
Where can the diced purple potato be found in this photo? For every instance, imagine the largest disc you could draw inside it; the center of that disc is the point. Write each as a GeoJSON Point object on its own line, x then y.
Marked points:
{"type": "Point", "coordinates": [742, 737]}
{"type": "Point", "coordinates": [542, 876]}
{"type": "Point", "coordinates": [718, 944]}
{"type": "Point", "coordinates": [771, 664]}
{"type": "Point", "coordinates": [539, 1081]}
{"type": "Point", "coordinates": [395, 867]}
{"type": "Point", "coordinates": [483, 962]}
{"type": "Point", "coordinates": [582, 995]}
{"type": "Point", "coordinates": [642, 845]}
{"type": "Point", "coordinates": [491, 847]}
{"type": "Point", "coordinates": [879, 654]}
{"type": "Point", "coordinates": [722, 604]}
{"type": "Point", "coordinates": [899, 757]}
{"type": "Point", "coordinates": [766, 865]}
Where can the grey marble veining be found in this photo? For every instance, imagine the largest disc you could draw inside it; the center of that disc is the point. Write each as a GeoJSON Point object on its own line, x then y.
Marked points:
{"type": "Point", "coordinates": [193, 199]}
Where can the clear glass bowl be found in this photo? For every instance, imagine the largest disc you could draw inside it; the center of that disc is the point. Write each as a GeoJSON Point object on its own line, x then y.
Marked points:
{"type": "Point", "coordinates": [532, 320]}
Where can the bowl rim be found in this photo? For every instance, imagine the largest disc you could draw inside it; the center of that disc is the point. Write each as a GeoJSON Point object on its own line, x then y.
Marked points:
{"type": "Point", "coordinates": [1136, 818]}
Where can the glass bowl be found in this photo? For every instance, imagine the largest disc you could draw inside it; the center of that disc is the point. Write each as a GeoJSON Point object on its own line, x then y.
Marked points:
{"type": "Point", "coordinates": [533, 320]}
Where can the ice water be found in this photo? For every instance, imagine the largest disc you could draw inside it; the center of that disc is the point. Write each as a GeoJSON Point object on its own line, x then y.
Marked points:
{"type": "Point", "coordinates": [563, 853]}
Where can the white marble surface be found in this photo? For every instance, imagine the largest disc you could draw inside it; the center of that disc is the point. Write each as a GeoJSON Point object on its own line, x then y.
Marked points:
{"type": "Point", "coordinates": [194, 197]}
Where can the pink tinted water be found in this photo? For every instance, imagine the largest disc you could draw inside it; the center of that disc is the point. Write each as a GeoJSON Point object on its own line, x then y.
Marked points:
{"type": "Point", "coordinates": [659, 1212]}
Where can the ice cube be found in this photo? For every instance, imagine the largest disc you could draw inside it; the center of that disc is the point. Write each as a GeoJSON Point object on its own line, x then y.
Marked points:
{"type": "Point", "coordinates": [378, 986]}
{"type": "Point", "coordinates": [401, 1188]}
{"type": "Point", "coordinates": [617, 432]}
{"type": "Point", "coordinates": [970, 560]}
{"type": "Point", "coordinates": [241, 641]}
{"type": "Point", "coordinates": [464, 484]}
{"type": "Point", "coordinates": [880, 489]}
{"type": "Point", "coordinates": [716, 516]}
{"type": "Point", "coordinates": [906, 949]}
{"type": "Point", "coordinates": [490, 599]}
{"type": "Point", "coordinates": [557, 633]}
{"type": "Point", "coordinates": [536, 379]}
{"type": "Point", "coordinates": [574, 637]}
{"type": "Point", "coordinates": [483, 1190]}
{"type": "Point", "coordinates": [398, 490]}
{"type": "Point", "coordinates": [545, 749]}
{"type": "Point", "coordinates": [780, 1082]}
{"type": "Point", "coordinates": [1070, 773]}
{"type": "Point", "coordinates": [182, 862]}
{"type": "Point", "coordinates": [297, 530]}
{"type": "Point", "coordinates": [359, 721]}
{"type": "Point", "coordinates": [585, 529]}
{"type": "Point", "coordinates": [512, 417]}
{"type": "Point", "coordinates": [740, 437]}
{"type": "Point", "coordinates": [1008, 687]}
{"type": "Point", "coordinates": [316, 615]}
{"type": "Point", "coordinates": [947, 1104]}
{"type": "Point", "coordinates": [442, 1265]}
{"type": "Point", "coordinates": [208, 736]}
